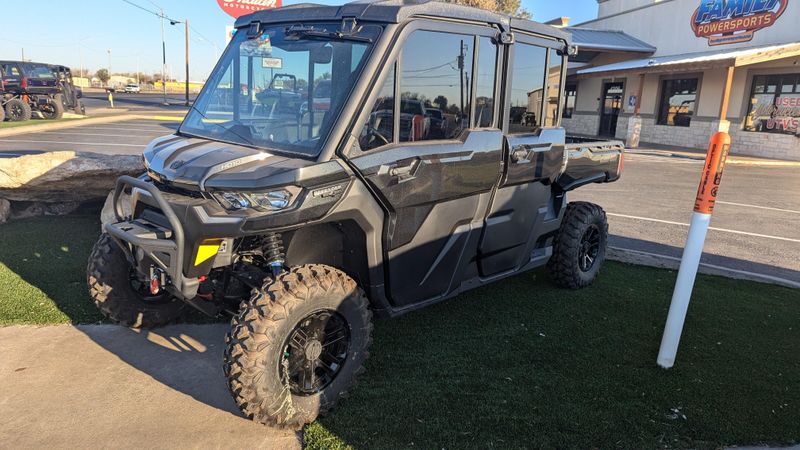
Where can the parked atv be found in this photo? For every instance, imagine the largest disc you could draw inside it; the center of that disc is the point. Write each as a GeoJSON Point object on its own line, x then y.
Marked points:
{"type": "Point", "coordinates": [303, 220]}
{"type": "Point", "coordinates": [33, 87]}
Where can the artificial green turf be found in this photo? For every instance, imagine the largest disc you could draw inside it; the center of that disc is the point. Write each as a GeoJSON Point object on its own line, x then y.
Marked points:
{"type": "Point", "coordinates": [7, 124]}
{"type": "Point", "coordinates": [523, 364]}
{"type": "Point", "coordinates": [43, 270]}
{"type": "Point", "coordinates": [517, 364]}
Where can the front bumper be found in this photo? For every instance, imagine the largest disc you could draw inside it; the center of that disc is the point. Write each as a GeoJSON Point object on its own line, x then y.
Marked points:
{"type": "Point", "coordinates": [169, 235]}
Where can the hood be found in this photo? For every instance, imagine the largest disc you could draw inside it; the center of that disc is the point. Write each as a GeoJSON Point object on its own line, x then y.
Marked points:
{"type": "Point", "coordinates": [215, 165]}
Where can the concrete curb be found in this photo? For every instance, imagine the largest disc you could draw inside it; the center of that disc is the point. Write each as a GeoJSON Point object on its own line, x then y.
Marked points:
{"type": "Point", "coordinates": [672, 263]}
{"type": "Point", "coordinates": [68, 124]}
{"type": "Point", "coordinates": [731, 159]}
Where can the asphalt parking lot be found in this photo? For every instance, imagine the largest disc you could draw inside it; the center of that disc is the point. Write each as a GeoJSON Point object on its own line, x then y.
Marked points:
{"type": "Point", "coordinates": [118, 138]}
{"type": "Point", "coordinates": [754, 227]}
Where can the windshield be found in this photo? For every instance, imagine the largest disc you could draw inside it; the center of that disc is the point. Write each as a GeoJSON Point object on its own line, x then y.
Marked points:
{"type": "Point", "coordinates": [281, 89]}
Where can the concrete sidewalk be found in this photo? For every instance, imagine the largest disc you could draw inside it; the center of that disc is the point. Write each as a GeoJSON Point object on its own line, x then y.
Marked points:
{"type": "Point", "coordinates": [700, 155]}
{"type": "Point", "coordinates": [105, 386]}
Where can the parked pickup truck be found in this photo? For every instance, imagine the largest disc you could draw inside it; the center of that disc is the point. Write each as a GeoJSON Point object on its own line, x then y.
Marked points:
{"type": "Point", "coordinates": [301, 227]}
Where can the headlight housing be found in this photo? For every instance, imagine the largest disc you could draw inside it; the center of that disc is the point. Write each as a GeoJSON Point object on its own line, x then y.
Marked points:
{"type": "Point", "coordinates": [274, 200]}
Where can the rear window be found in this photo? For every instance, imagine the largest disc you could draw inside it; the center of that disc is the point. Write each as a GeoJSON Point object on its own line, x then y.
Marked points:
{"type": "Point", "coordinates": [37, 71]}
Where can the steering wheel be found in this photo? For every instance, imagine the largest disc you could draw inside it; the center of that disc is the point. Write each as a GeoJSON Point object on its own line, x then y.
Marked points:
{"type": "Point", "coordinates": [375, 133]}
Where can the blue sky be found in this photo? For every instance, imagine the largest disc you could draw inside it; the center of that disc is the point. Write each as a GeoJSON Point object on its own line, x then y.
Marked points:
{"type": "Point", "coordinates": [134, 36]}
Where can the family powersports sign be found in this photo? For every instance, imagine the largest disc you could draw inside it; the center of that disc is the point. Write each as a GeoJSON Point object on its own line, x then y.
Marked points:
{"type": "Point", "coordinates": [733, 21]}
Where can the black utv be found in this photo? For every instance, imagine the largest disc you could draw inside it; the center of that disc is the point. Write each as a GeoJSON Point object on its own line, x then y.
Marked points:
{"type": "Point", "coordinates": [30, 86]}
{"type": "Point", "coordinates": [303, 215]}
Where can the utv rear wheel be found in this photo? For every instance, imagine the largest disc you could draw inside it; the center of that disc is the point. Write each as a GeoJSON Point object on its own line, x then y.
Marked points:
{"type": "Point", "coordinates": [580, 246]}
{"type": "Point", "coordinates": [80, 108]}
{"type": "Point", "coordinates": [54, 108]}
{"type": "Point", "coordinates": [17, 110]}
{"type": "Point", "coordinates": [296, 347]}
{"type": "Point", "coordinates": [122, 298]}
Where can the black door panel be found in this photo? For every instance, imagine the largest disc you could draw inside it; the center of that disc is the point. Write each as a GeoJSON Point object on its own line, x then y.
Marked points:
{"type": "Point", "coordinates": [521, 220]}
{"type": "Point", "coordinates": [430, 189]}
{"type": "Point", "coordinates": [535, 157]}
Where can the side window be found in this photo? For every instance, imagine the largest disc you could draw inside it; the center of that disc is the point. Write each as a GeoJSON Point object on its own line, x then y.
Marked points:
{"type": "Point", "coordinates": [435, 80]}
{"type": "Point", "coordinates": [379, 128]}
{"type": "Point", "coordinates": [553, 88]}
{"type": "Point", "coordinates": [527, 88]}
{"type": "Point", "coordinates": [485, 76]}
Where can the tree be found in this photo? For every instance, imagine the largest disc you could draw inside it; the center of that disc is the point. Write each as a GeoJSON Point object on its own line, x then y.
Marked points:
{"type": "Point", "coordinates": [441, 102]}
{"type": "Point", "coordinates": [103, 75]}
{"type": "Point", "coordinates": [509, 7]}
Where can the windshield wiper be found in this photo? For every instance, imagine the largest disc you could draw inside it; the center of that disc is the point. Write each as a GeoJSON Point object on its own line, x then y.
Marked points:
{"type": "Point", "coordinates": [308, 32]}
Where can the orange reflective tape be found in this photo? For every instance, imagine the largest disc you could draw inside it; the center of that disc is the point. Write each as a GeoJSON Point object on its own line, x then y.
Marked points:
{"type": "Point", "coordinates": [712, 173]}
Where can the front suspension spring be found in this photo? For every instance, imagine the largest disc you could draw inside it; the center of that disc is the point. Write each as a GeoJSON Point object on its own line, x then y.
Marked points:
{"type": "Point", "coordinates": [274, 253]}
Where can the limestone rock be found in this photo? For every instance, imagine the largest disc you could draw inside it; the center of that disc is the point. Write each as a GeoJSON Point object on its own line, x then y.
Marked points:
{"type": "Point", "coordinates": [64, 177]}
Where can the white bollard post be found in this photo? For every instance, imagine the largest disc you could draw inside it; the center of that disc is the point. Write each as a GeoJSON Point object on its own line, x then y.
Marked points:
{"type": "Point", "coordinates": [701, 218]}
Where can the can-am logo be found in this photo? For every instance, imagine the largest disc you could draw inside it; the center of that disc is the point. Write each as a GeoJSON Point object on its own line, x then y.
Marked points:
{"type": "Point", "coordinates": [733, 21]}
{"type": "Point", "coordinates": [238, 8]}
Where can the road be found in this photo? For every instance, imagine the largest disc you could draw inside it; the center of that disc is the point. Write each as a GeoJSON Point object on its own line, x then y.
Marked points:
{"type": "Point", "coordinates": [95, 100]}
{"type": "Point", "coordinates": [117, 138]}
{"type": "Point", "coordinates": [754, 227]}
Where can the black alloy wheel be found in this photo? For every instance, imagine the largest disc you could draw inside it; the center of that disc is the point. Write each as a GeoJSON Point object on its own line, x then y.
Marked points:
{"type": "Point", "coordinates": [315, 352]}
{"type": "Point", "coordinates": [590, 248]}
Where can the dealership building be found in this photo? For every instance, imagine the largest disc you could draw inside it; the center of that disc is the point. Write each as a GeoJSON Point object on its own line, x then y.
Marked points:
{"type": "Point", "coordinates": [673, 72]}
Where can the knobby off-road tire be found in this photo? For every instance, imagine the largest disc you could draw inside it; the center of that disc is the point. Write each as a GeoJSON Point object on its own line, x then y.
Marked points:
{"type": "Point", "coordinates": [259, 354]}
{"type": "Point", "coordinates": [17, 110]}
{"type": "Point", "coordinates": [54, 108]}
{"type": "Point", "coordinates": [109, 278]}
{"type": "Point", "coordinates": [580, 246]}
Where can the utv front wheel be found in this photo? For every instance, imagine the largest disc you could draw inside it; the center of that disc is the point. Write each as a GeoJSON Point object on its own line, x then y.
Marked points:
{"type": "Point", "coordinates": [580, 246]}
{"type": "Point", "coordinates": [296, 347]}
{"type": "Point", "coordinates": [17, 110]}
{"type": "Point", "coordinates": [120, 296]}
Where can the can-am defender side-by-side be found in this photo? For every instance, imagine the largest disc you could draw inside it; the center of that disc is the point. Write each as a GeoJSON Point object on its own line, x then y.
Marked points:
{"type": "Point", "coordinates": [371, 158]}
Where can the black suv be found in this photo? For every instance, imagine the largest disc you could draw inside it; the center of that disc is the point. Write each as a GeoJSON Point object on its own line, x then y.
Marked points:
{"type": "Point", "coordinates": [302, 218]}
{"type": "Point", "coordinates": [27, 86]}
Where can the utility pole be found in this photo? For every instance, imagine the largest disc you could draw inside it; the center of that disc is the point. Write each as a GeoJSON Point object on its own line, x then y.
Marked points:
{"type": "Point", "coordinates": [163, 60]}
{"type": "Point", "coordinates": [138, 83]}
{"type": "Point", "coordinates": [187, 62]}
{"type": "Point", "coordinates": [109, 63]}
{"type": "Point", "coordinates": [461, 76]}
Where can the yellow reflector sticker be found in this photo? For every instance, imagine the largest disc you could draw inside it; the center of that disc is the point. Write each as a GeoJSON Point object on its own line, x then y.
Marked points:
{"type": "Point", "coordinates": [206, 251]}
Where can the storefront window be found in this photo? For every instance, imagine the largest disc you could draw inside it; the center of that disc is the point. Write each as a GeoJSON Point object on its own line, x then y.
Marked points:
{"type": "Point", "coordinates": [570, 94]}
{"type": "Point", "coordinates": [678, 100]}
{"type": "Point", "coordinates": [774, 104]}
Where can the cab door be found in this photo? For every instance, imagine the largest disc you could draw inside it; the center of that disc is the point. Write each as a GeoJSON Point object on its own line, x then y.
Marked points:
{"type": "Point", "coordinates": [432, 172]}
{"type": "Point", "coordinates": [525, 210]}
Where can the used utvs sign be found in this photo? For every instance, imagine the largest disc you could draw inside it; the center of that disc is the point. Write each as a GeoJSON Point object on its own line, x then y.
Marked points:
{"type": "Point", "coordinates": [732, 21]}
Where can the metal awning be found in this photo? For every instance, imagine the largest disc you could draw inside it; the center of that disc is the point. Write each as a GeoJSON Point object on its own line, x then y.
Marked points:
{"type": "Point", "coordinates": [696, 61]}
{"type": "Point", "coordinates": [608, 41]}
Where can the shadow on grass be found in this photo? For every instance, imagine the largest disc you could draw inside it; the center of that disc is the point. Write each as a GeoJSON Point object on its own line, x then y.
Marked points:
{"type": "Point", "coordinates": [518, 364]}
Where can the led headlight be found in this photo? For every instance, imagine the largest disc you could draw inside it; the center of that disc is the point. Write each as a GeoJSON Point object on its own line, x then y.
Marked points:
{"type": "Point", "coordinates": [271, 201]}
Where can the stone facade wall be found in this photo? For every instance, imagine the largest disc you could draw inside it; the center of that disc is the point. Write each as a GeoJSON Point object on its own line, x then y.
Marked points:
{"type": "Point", "coordinates": [696, 136]}
{"type": "Point", "coordinates": [582, 123]}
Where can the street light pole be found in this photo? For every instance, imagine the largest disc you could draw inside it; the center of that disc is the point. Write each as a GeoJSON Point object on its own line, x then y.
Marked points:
{"type": "Point", "coordinates": [163, 60]}
{"type": "Point", "coordinates": [187, 61]}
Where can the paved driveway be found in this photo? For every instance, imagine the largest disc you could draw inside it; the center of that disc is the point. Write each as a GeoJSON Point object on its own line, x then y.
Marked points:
{"type": "Point", "coordinates": [105, 386]}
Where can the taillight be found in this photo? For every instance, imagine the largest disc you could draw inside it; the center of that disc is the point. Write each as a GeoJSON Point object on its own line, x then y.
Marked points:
{"type": "Point", "coordinates": [24, 83]}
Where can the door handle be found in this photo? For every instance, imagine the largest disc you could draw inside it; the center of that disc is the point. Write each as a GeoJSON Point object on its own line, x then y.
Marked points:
{"type": "Point", "coordinates": [404, 170]}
